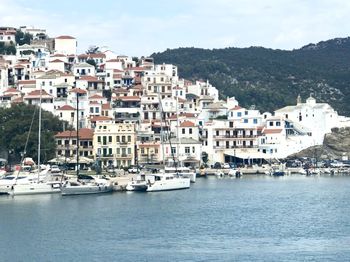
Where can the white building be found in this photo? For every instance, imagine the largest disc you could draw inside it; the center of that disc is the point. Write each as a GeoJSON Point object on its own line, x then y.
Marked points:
{"type": "Point", "coordinates": [66, 45]}
{"type": "Point", "coordinates": [318, 118]}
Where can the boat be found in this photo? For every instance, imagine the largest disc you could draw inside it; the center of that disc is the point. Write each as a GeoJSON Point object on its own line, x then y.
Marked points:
{"type": "Point", "coordinates": [182, 171]}
{"type": "Point", "coordinates": [234, 173]}
{"type": "Point", "coordinates": [85, 184]}
{"type": "Point", "coordinates": [163, 180]}
{"type": "Point", "coordinates": [46, 185]}
{"type": "Point", "coordinates": [158, 182]}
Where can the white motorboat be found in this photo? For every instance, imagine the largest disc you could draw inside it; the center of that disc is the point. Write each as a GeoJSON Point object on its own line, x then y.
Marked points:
{"type": "Point", "coordinates": [36, 187]}
{"type": "Point", "coordinates": [94, 185]}
{"type": "Point", "coordinates": [158, 182]}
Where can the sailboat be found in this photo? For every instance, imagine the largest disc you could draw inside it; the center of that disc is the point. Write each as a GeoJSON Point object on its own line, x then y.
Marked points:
{"type": "Point", "coordinates": [160, 181]}
{"type": "Point", "coordinates": [42, 184]}
{"type": "Point", "coordinates": [84, 184]}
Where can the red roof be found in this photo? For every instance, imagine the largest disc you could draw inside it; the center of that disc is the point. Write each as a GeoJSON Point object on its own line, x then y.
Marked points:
{"type": "Point", "coordinates": [187, 124]}
{"type": "Point", "coordinates": [96, 96]}
{"type": "Point", "coordinates": [113, 60]}
{"type": "Point", "coordinates": [27, 82]}
{"type": "Point", "coordinates": [58, 55]}
{"type": "Point", "coordinates": [84, 133]}
{"type": "Point", "coordinates": [272, 131]}
{"type": "Point", "coordinates": [129, 98]}
{"type": "Point", "coordinates": [236, 108]}
{"type": "Point", "coordinates": [99, 118]}
{"type": "Point", "coordinates": [137, 68]}
{"type": "Point", "coordinates": [97, 55]}
{"type": "Point", "coordinates": [37, 93]}
{"type": "Point", "coordinates": [66, 107]}
{"type": "Point", "coordinates": [12, 90]}
{"type": "Point", "coordinates": [90, 79]}
{"type": "Point", "coordinates": [65, 37]}
{"type": "Point", "coordinates": [57, 61]}
{"type": "Point", "coordinates": [77, 90]}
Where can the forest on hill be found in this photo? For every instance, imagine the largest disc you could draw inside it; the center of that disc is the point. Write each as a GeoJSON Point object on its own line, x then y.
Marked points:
{"type": "Point", "coordinates": [270, 79]}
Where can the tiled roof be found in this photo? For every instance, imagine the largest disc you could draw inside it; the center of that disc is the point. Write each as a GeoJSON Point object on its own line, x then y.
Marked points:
{"type": "Point", "coordinates": [99, 118]}
{"type": "Point", "coordinates": [77, 90]}
{"type": "Point", "coordinates": [106, 106]}
{"type": "Point", "coordinates": [187, 124]}
{"type": "Point", "coordinates": [96, 96]}
{"type": "Point", "coordinates": [65, 37]}
{"type": "Point", "coordinates": [27, 82]}
{"type": "Point", "coordinates": [272, 131]}
{"type": "Point", "coordinates": [56, 61]}
{"type": "Point", "coordinates": [66, 107]}
{"type": "Point", "coordinates": [236, 108]}
{"type": "Point", "coordinates": [84, 133]}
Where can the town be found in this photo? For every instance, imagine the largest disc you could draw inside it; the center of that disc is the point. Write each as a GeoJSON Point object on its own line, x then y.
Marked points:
{"type": "Point", "coordinates": [130, 111]}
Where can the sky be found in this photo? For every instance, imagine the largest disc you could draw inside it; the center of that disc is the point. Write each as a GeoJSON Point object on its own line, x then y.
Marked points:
{"type": "Point", "coordinates": [140, 27]}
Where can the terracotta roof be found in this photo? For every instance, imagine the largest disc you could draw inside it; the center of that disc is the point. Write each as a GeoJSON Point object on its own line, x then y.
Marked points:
{"type": "Point", "coordinates": [77, 90]}
{"type": "Point", "coordinates": [90, 79]}
{"type": "Point", "coordinates": [97, 55]}
{"type": "Point", "coordinates": [83, 56]}
{"type": "Point", "coordinates": [113, 60]}
{"type": "Point", "coordinates": [36, 94]}
{"type": "Point", "coordinates": [99, 118]}
{"type": "Point", "coordinates": [117, 71]}
{"type": "Point", "coordinates": [96, 96]}
{"type": "Point", "coordinates": [121, 90]}
{"type": "Point", "coordinates": [19, 66]}
{"type": "Point", "coordinates": [129, 98]}
{"type": "Point", "coordinates": [84, 133]}
{"type": "Point", "coordinates": [137, 68]}
{"type": "Point", "coordinates": [272, 131]}
{"type": "Point", "coordinates": [58, 55]}
{"type": "Point", "coordinates": [236, 108]}
{"type": "Point", "coordinates": [94, 103]}
{"type": "Point", "coordinates": [56, 61]}
{"type": "Point", "coordinates": [65, 37]}
{"type": "Point", "coordinates": [12, 90]}
{"type": "Point", "coordinates": [27, 82]}
{"type": "Point", "coordinates": [187, 124]}
{"type": "Point", "coordinates": [66, 107]}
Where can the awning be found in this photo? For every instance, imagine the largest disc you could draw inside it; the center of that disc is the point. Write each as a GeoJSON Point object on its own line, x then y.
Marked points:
{"type": "Point", "coordinates": [247, 154]}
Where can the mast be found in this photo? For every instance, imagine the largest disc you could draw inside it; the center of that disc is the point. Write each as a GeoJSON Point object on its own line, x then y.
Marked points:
{"type": "Point", "coordinates": [178, 132]}
{"type": "Point", "coordinates": [77, 127]}
{"type": "Point", "coordinates": [39, 133]}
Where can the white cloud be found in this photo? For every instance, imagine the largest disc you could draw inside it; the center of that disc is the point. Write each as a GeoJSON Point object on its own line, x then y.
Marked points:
{"type": "Point", "coordinates": [140, 29]}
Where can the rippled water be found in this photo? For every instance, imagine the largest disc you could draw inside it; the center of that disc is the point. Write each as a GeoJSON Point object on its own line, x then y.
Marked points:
{"type": "Point", "coordinates": [256, 218]}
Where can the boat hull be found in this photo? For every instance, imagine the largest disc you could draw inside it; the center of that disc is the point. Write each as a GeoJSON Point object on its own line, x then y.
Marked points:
{"type": "Point", "coordinates": [34, 189]}
{"type": "Point", "coordinates": [174, 184]}
{"type": "Point", "coordinates": [85, 190]}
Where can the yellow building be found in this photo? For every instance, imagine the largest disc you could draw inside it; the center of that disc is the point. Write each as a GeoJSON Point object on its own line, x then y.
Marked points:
{"type": "Point", "coordinates": [114, 143]}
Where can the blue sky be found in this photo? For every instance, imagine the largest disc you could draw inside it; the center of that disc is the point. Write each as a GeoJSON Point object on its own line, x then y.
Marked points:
{"type": "Point", "coordinates": [142, 27]}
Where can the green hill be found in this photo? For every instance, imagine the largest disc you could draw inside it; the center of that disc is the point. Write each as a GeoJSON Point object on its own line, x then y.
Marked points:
{"type": "Point", "coordinates": [270, 79]}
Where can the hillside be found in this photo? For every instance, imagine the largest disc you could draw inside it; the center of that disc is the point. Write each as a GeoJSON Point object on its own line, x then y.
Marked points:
{"type": "Point", "coordinates": [270, 79]}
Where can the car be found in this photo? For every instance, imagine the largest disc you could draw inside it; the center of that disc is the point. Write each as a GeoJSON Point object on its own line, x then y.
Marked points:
{"type": "Point", "coordinates": [217, 165]}
{"type": "Point", "coordinates": [226, 165]}
{"type": "Point", "coordinates": [133, 169]}
{"type": "Point", "coordinates": [55, 169]}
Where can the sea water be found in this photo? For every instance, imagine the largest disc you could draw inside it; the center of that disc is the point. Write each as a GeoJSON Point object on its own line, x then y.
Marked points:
{"type": "Point", "coordinates": [255, 218]}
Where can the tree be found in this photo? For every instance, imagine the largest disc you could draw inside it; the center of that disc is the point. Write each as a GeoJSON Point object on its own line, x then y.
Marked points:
{"type": "Point", "coordinates": [93, 50]}
{"type": "Point", "coordinates": [15, 125]}
{"type": "Point", "coordinates": [91, 62]}
{"type": "Point", "coordinates": [23, 38]}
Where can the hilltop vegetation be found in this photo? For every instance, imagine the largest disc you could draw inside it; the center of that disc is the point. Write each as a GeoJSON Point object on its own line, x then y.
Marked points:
{"type": "Point", "coordinates": [15, 123]}
{"type": "Point", "coordinates": [270, 79]}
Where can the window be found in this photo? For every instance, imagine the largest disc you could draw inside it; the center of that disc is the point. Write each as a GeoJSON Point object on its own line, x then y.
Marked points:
{"type": "Point", "coordinates": [74, 142]}
{"type": "Point", "coordinates": [217, 143]}
{"type": "Point", "coordinates": [183, 131]}
{"type": "Point", "coordinates": [255, 121]}
{"type": "Point", "coordinates": [193, 149]}
{"type": "Point", "coordinates": [118, 138]}
{"type": "Point", "coordinates": [59, 142]}
{"type": "Point", "coordinates": [278, 123]}
{"type": "Point", "coordinates": [110, 139]}
{"type": "Point", "coordinates": [118, 151]}
{"type": "Point", "coordinates": [239, 114]}
{"type": "Point", "coordinates": [129, 139]}
{"type": "Point", "coordinates": [110, 151]}
{"type": "Point", "coordinates": [187, 150]}
{"type": "Point", "coordinates": [98, 139]}
{"type": "Point", "coordinates": [97, 110]}
{"type": "Point", "coordinates": [217, 132]}
{"type": "Point", "coordinates": [270, 123]}
{"type": "Point", "coordinates": [173, 150]}
{"type": "Point", "coordinates": [245, 121]}
{"type": "Point", "coordinates": [104, 140]}
{"type": "Point", "coordinates": [190, 130]}
{"type": "Point", "coordinates": [129, 150]}
{"type": "Point", "coordinates": [50, 83]}
{"type": "Point", "coordinates": [91, 109]}
{"type": "Point", "coordinates": [231, 124]}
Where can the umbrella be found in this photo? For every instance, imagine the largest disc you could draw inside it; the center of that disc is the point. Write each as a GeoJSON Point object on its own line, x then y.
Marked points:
{"type": "Point", "coordinates": [60, 160]}
{"type": "Point", "coordinates": [82, 160]}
